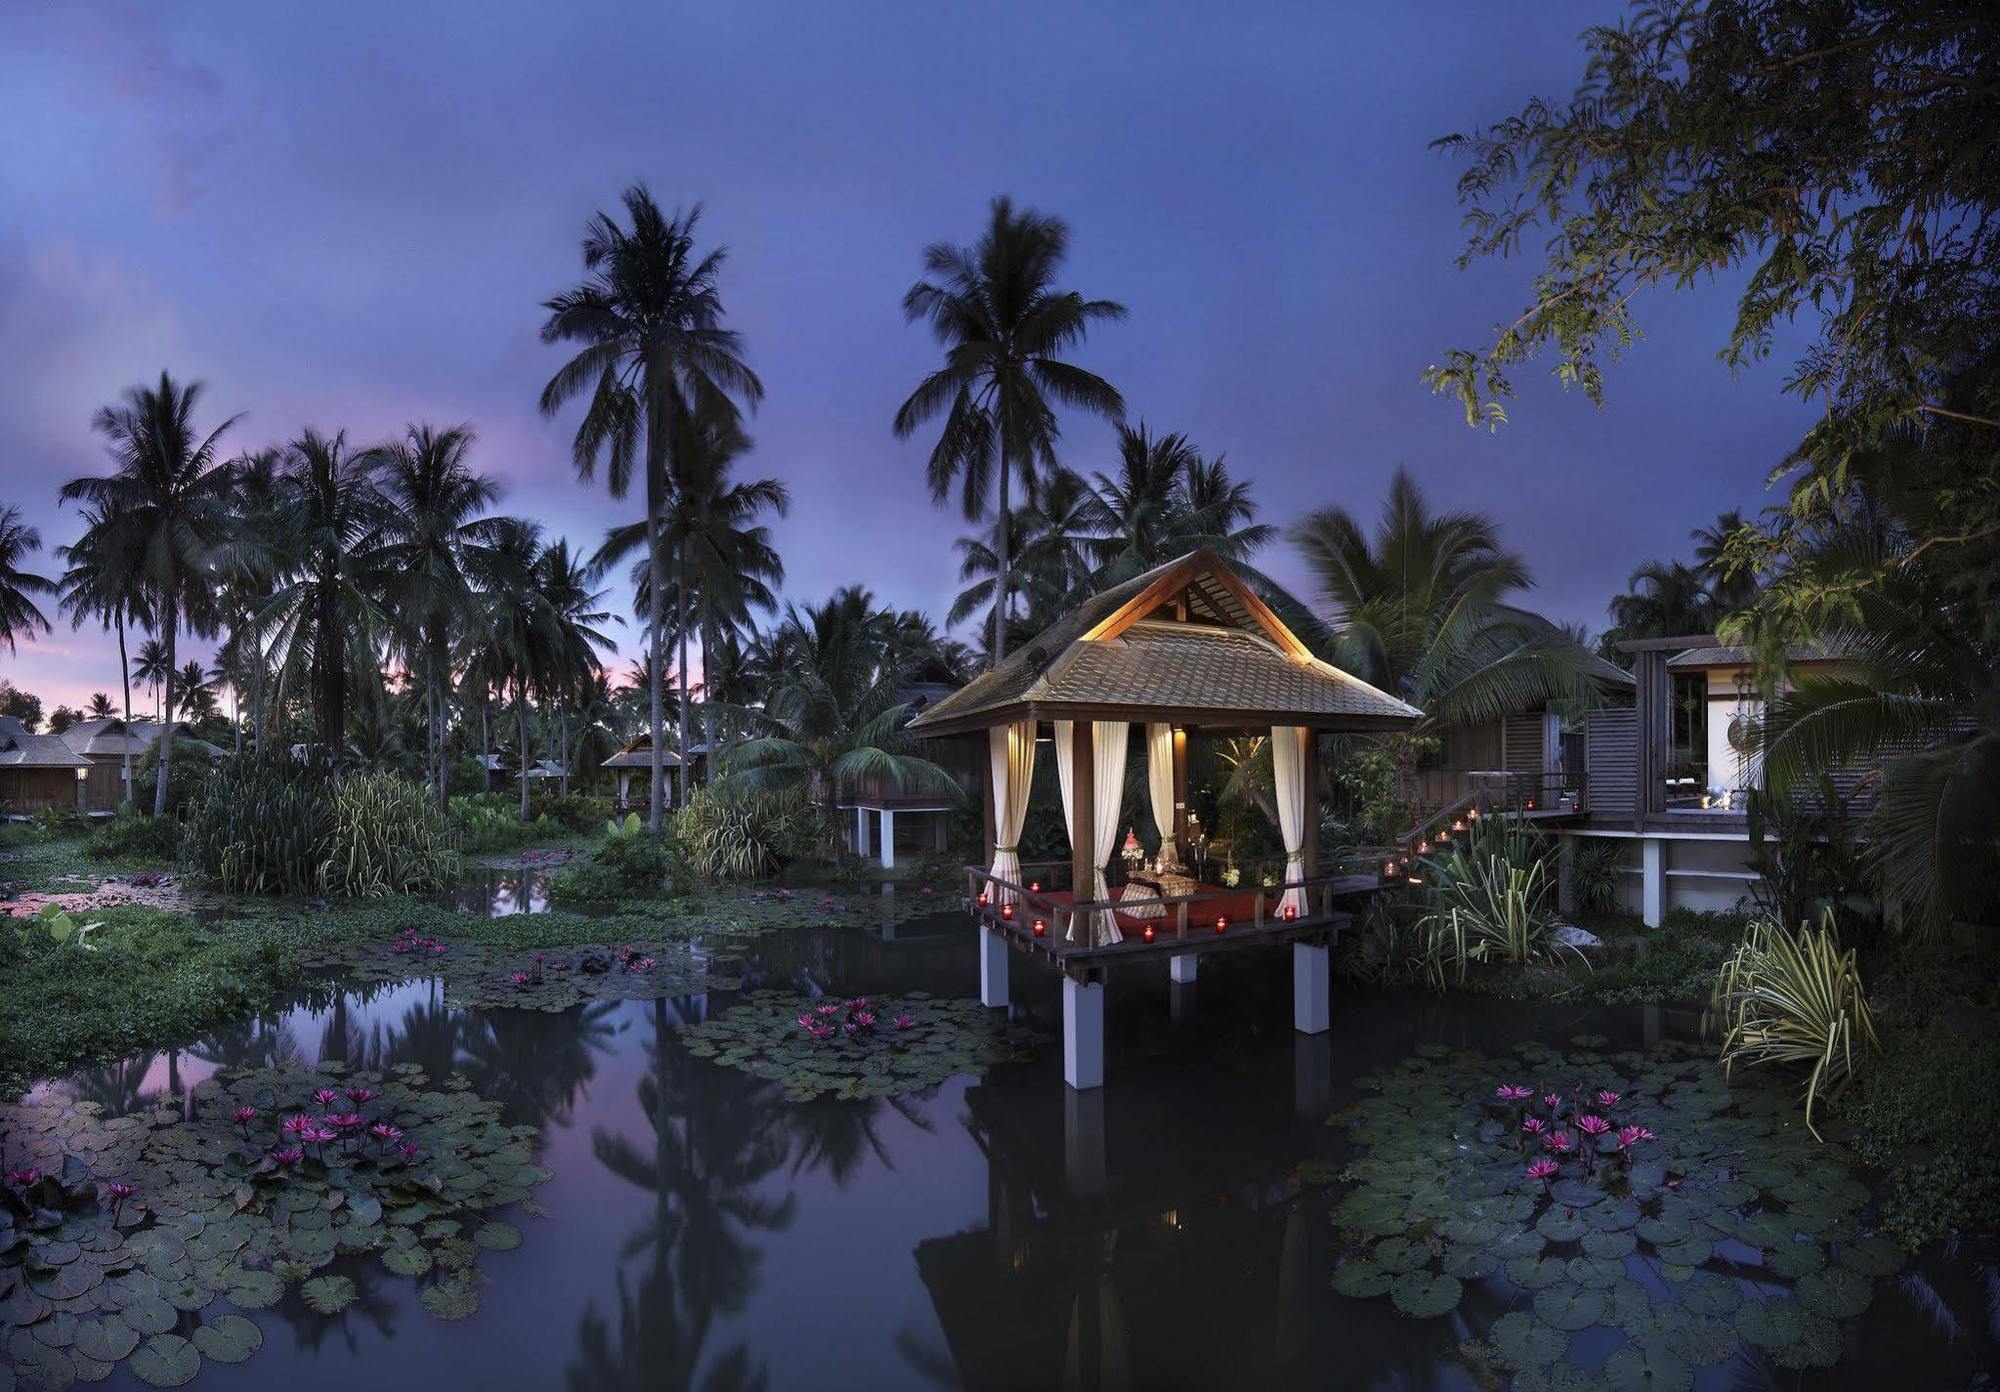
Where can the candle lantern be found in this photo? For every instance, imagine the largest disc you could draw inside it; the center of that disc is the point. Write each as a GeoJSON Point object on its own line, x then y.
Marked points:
{"type": "Point", "coordinates": [982, 898]}
{"type": "Point", "coordinates": [1034, 886]}
{"type": "Point", "coordinates": [1222, 923]}
{"type": "Point", "coordinates": [1290, 913]}
{"type": "Point", "coordinates": [1041, 927]}
{"type": "Point", "coordinates": [1458, 825]}
{"type": "Point", "coordinates": [1006, 911]}
{"type": "Point", "coordinates": [1146, 933]}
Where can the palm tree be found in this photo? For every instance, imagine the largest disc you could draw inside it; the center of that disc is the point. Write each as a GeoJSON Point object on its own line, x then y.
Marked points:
{"type": "Point", "coordinates": [1053, 564]}
{"type": "Point", "coordinates": [649, 315]}
{"type": "Point", "coordinates": [1731, 586]}
{"type": "Point", "coordinates": [439, 555]}
{"type": "Point", "coordinates": [1418, 611]}
{"type": "Point", "coordinates": [197, 694]}
{"type": "Point", "coordinates": [521, 628]}
{"type": "Point", "coordinates": [100, 706]}
{"type": "Point", "coordinates": [1665, 599]}
{"type": "Point", "coordinates": [18, 614]}
{"type": "Point", "coordinates": [152, 668]}
{"type": "Point", "coordinates": [98, 583]}
{"type": "Point", "coordinates": [574, 640]}
{"type": "Point", "coordinates": [328, 608]}
{"type": "Point", "coordinates": [995, 309]}
{"type": "Point", "coordinates": [835, 712]}
{"type": "Point", "coordinates": [168, 507]}
{"type": "Point", "coordinates": [260, 495]}
{"type": "Point", "coordinates": [724, 562]}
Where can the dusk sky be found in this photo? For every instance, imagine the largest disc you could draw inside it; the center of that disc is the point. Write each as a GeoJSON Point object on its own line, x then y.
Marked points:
{"type": "Point", "coordinates": [348, 216]}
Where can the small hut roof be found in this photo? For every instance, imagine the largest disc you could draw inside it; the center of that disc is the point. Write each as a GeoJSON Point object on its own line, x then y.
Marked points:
{"type": "Point", "coordinates": [19, 749]}
{"type": "Point", "coordinates": [639, 754]}
{"type": "Point", "coordinates": [1185, 641]}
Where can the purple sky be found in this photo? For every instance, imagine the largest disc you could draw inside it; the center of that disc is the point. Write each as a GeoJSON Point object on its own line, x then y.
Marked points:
{"type": "Point", "coordinates": [347, 216]}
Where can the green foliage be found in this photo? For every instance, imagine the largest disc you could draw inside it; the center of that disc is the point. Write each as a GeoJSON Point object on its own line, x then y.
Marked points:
{"type": "Point", "coordinates": [388, 837]}
{"type": "Point", "coordinates": [858, 1048]}
{"type": "Point", "coordinates": [1490, 901]}
{"type": "Point", "coordinates": [55, 924]}
{"type": "Point", "coordinates": [1810, 858]}
{"type": "Point", "coordinates": [261, 826]}
{"type": "Point", "coordinates": [1596, 866]}
{"type": "Point", "coordinates": [128, 836]}
{"type": "Point", "coordinates": [217, 1206]}
{"type": "Point", "coordinates": [285, 826]}
{"type": "Point", "coordinates": [745, 835]}
{"type": "Point", "coordinates": [492, 822]}
{"type": "Point", "coordinates": [627, 867]}
{"type": "Point", "coordinates": [570, 811]}
{"type": "Point", "coordinates": [1366, 792]}
{"type": "Point", "coordinates": [186, 775]}
{"type": "Point", "coordinates": [1794, 998]}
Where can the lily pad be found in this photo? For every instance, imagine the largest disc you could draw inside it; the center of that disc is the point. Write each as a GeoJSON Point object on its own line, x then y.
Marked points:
{"type": "Point", "coordinates": [1632, 1369]}
{"type": "Point", "coordinates": [253, 1290]}
{"type": "Point", "coordinates": [1524, 1342]}
{"type": "Point", "coordinates": [228, 1338]}
{"type": "Point", "coordinates": [1360, 1278]}
{"type": "Point", "coordinates": [455, 1299]}
{"type": "Point", "coordinates": [1570, 1307]}
{"type": "Point", "coordinates": [1425, 1294]}
{"type": "Point", "coordinates": [106, 1339]}
{"type": "Point", "coordinates": [1835, 1293]}
{"type": "Point", "coordinates": [329, 1294]}
{"type": "Point", "coordinates": [166, 1360]}
{"type": "Point", "coordinates": [498, 1237]}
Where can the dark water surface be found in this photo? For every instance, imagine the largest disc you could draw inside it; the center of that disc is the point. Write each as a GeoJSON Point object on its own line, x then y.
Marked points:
{"type": "Point", "coordinates": [703, 1232]}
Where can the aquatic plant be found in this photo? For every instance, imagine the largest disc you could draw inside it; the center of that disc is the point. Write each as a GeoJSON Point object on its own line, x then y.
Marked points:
{"type": "Point", "coordinates": [1696, 1223]}
{"type": "Point", "coordinates": [130, 1254]}
{"type": "Point", "coordinates": [747, 835]}
{"type": "Point", "coordinates": [1790, 998]}
{"type": "Point", "coordinates": [1491, 900]}
{"type": "Point", "coordinates": [388, 837]}
{"type": "Point", "coordinates": [829, 1047]}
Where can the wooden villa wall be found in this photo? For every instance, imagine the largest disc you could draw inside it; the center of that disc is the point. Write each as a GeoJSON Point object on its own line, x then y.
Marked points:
{"type": "Point", "coordinates": [105, 788]}
{"type": "Point", "coordinates": [32, 789]}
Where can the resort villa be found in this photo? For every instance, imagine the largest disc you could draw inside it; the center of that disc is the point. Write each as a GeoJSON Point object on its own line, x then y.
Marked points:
{"type": "Point", "coordinates": [84, 767]}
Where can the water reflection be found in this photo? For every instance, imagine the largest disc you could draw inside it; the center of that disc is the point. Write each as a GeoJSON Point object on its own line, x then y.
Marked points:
{"type": "Point", "coordinates": [992, 1233]}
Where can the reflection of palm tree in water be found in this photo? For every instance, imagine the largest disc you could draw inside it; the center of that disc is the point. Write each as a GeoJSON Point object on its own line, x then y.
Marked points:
{"type": "Point", "coordinates": [372, 1306]}
{"type": "Point", "coordinates": [536, 1063]}
{"type": "Point", "coordinates": [259, 1043]}
{"type": "Point", "coordinates": [119, 1089]}
{"type": "Point", "coordinates": [712, 1146]}
{"type": "Point", "coordinates": [833, 1136]}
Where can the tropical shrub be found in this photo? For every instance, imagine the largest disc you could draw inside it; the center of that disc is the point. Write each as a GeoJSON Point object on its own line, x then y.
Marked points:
{"type": "Point", "coordinates": [625, 865]}
{"type": "Point", "coordinates": [1594, 870]}
{"type": "Point", "coordinates": [388, 837]}
{"type": "Point", "coordinates": [1491, 900]}
{"type": "Point", "coordinates": [130, 836]}
{"type": "Point", "coordinates": [745, 836]}
{"type": "Point", "coordinates": [50, 823]}
{"type": "Point", "coordinates": [571, 811]}
{"type": "Point", "coordinates": [1795, 998]}
{"type": "Point", "coordinates": [56, 925]}
{"type": "Point", "coordinates": [261, 826]}
{"type": "Point", "coordinates": [187, 774]}
{"type": "Point", "coordinates": [492, 822]}
{"type": "Point", "coordinates": [1807, 854]}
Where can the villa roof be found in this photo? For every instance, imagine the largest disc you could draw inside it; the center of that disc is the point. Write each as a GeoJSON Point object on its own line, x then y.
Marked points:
{"type": "Point", "coordinates": [639, 754]}
{"type": "Point", "coordinates": [111, 737]}
{"type": "Point", "coordinates": [1746, 657]}
{"type": "Point", "coordinates": [20, 749]}
{"type": "Point", "coordinates": [1185, 641]}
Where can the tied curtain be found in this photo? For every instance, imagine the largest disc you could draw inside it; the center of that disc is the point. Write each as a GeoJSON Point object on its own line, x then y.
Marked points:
{"type": "Point", "coordinates": [1107, 799]}
{"type": "Point", "coordinates": [1160, 788]}
{"type": "Point", "coordinates": [1012, 751]}
{"type": "Point", "coordinates": [1288, 765]}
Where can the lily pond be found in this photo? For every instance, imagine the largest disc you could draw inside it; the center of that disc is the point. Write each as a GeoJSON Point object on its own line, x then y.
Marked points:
{"type": "Point", "coordinates": [801, 1155]}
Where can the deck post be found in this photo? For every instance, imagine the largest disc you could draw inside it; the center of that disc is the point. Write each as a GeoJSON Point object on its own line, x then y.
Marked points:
{"type": "Point", "coordinates": [992, 969]}
{"type": "Point", "coordinates": [860, 831]}
{"type": "Point", "coordinates": [1310, 980]}
{"type": "Point", "coordinates": [1309, 849]}
{"type": "Point", "coordinates": [1180, 796]}
{"type": "Point", "coordinates": [1312, 1076]}
{"type": "Point", "coordinates": [1180, 967]}
{"type": "Point", "coordinates": [1083, 1033]}
{"type": "Point", "coordinates": [1653, 880]}
{"type": "Point", "coordinates": [888, 839]}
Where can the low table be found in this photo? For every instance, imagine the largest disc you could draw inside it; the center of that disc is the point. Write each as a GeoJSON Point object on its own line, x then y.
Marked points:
{"type": "Point", "coordinates": [1143, 894]}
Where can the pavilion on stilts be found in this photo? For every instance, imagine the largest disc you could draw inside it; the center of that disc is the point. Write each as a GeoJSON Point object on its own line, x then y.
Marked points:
{"type": "Point", "coordinates": [1184, 650]}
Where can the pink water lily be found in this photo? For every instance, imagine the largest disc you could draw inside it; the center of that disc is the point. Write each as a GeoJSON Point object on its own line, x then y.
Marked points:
{"type": "Point", "coordinates": [1560, 1141]}
{"type": "Point", "coordinates": [409, 1150]}
{"type": "Point", "coordinates": [1544, 1169]}
{"type": "Point", "coordinates": [1592, 1125]}
{"type": "Point", "coordinates": [1553, 1101]}
{"type": "Point", "coordinates": [360, 1096]}
{"type": "Point", "coordinates": [519, 978]}
{"type": "Point", "coordinates": [288, 1157]}
{"type": "Point", "coordinates": [1608, 1098]}
{"type": "Point", "coordinates": [386, 1131]}
{"type": "Point", "coordinates": [1513, 1092]}
{"type": "Point", "coordinates": [297, 1125]}
{"type": "Point", "coordinates": [904, 1022]}
{"type": "Point", "coordinates": [1629, 1136]}
{"type": "Point", "coordinates": [1534, 1126]}
{"type": "Point", "coordinates": [864, 1019]}
{"type": "Point", "coordinates": [827, 1009]}
{"type": "Point", "coordinates": [326, 1097]}
{"type": "Point", "coordinates": [24, 1176]}
{"type": "Point", "coordinates": [244, 1116]}
{"type": "Point", "coordinates": [346, 1121]}
{"type": "Point", "coordinates": [120, 1191]}
{"type": "Point", "coordinates": [806, 1021]}
{"type": "Point", "coordinates": [320, 1135]}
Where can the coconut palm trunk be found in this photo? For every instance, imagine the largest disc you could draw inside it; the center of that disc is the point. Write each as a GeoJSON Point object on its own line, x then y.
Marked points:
{"type": "Point", "coordinates": [656, 615]}
{"type": "Point", "coordinates": [170, 621]}
{"type": "Point", "coordinates": [521, 717]}
{"type": "Point", "coordinates": [680, 581]}
{"type": "Point", "coordinates": [1001, 542]}
{"type": "Point", "coordinates": [125, 676]}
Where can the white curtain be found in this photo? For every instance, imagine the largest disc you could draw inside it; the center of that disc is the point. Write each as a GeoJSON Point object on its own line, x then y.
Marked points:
{"type": "Point", "coordinates": [1288, 765]}
{"type": "Point", "coordinates": [1012, 750]}
{"type": "Point", "coordinates": [1107, 798]}
{"type": "Point", "coordinates": [1160, 787]}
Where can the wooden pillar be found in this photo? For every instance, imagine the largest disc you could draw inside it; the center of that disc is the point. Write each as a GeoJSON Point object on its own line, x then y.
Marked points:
{"type": "Point", "coordinates": [986, 795]}
{"type": "Point", "coordinates": [1181, 794]}
{"type": "Point", "coordinates": [1310, 848]}
{"type": "Point", "coordinates": [1083, 790]}
{"type": "Point", "coordinates": [1649, 670]}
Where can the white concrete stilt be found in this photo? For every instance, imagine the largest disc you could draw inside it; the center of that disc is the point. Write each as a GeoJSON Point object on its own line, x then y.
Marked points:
{"type": "Point", "coordinates": [888, 839]}
{"type": "Point", "coordinates": [1311, 1008]}
{"type": "Point", "coordinates": [1180, 968]}
{"type": "Point", "coordinates": [992, 969]}
{"type": "Point", "coordinates": [1083, 1033]}
{"type": "Point", "coordinates": [1653, 887]}
{"type": "Point", "coordinates": [1181, 1001]}
{"type": "Point", "coordinates": [861, 831]}
{"type": "Point", "coordinates": [1083, 1142]}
